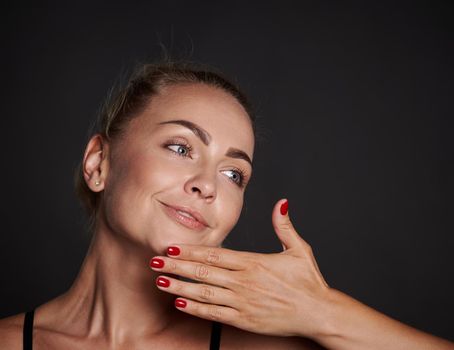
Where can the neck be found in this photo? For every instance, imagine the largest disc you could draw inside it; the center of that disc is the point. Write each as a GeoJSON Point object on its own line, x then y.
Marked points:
{"type": "Point", "coordinates": [115, 294]}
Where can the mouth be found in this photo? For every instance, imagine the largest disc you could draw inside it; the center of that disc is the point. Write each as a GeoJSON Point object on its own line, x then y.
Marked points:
{"type": "Point", "coordinates": [185, 216]}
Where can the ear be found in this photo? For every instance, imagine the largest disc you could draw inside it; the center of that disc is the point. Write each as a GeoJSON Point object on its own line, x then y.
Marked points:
{"type": "Point", "coordinates": [95, 163]}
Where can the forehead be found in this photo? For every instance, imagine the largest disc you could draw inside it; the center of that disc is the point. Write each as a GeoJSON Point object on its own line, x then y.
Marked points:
{"type": "Point", "coordinates": [213, 109]}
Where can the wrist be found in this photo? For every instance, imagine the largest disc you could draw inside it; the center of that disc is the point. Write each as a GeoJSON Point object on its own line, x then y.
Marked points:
{"type": "Point", "coordinates": [319, 321]}
{"type": "Point", "coordinates": [327, 323]}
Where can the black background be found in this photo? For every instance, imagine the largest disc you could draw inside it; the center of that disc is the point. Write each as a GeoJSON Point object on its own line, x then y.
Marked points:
{"type": "Point", "coordinates": [355, 105]}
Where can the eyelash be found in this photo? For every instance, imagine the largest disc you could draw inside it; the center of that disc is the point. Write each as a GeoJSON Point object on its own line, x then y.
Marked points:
{"type": "Point", "coordinates": [241, 172]}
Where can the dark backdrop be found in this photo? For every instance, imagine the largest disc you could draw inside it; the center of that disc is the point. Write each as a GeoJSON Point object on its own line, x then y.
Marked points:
{"type": "Point", "coordinates": [355, 106]}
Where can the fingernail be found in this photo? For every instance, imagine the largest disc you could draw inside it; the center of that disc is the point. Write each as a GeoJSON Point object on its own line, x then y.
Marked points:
{"type": "Point", "coordinates": [284, 207]}
{"type": "Point", "coordinates": [162, 282]}
{"type": "Point", "coordinates": [156, 263]}
{"type": "Point", "coordinates": [174, 251]}
{"type": "Point", "coordinates": [180, 303]}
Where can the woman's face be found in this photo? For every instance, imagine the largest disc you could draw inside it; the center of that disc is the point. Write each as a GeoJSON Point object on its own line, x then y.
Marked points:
{"type": "Point", "coordinates": [189, 150]}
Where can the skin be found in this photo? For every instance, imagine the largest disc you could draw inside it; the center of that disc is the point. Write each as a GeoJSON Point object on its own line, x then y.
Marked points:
{"type": "Point", "coordinates": [114, 302]}
{"type": "Point", "coordinates": [266, 301]}
{"type": "Point", "coordinates": [283, 294]}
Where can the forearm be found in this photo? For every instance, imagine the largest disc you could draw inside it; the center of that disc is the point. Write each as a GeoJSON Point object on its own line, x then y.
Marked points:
{"type": "Point", "coordinates": [349, 324]}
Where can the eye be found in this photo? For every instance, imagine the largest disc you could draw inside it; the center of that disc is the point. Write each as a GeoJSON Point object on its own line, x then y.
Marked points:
{"type": "Point", "coordinates": [181, 150]}
{"type": "Point", "coordinates": [236, 175]}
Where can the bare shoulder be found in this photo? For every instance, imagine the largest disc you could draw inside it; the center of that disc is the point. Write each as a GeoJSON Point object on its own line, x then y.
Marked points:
{"type": "Point", "coordinates": [235, 338]}
{"type": "Point", "coordinates": [11, 332]}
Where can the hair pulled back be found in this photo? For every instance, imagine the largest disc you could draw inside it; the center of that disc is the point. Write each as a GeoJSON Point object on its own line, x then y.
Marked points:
{"type": "Point", "coordinates": [132, 98]}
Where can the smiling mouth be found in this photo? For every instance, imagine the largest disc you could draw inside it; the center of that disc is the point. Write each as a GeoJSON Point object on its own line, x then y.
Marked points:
{"type": "Point", "coordinates": [184, 218]}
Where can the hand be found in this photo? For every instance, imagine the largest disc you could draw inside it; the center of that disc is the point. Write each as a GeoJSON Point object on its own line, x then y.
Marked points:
{"type": "Point", "coordinates": [275, 294]}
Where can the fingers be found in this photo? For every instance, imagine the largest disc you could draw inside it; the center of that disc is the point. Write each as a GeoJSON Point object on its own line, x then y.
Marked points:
{"type": "Point", "coordinates": [193, 270]}
{"type": "Point", "coordinates": [204, 293]}
{"type": "Point", "coordinates": [283, 226]}
{"type": "Point", "coordinates": [216, 313]}
{"type": "Point", "coordinates": [199, 299]}
{"type": "Point", "coordinates": [219, 257]}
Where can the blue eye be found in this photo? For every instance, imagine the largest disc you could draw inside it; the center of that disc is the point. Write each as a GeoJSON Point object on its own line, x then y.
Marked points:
{"type": "Point", "coordinates": [237, 176]}
{"type": "Point", "coordinates": [181, 150]}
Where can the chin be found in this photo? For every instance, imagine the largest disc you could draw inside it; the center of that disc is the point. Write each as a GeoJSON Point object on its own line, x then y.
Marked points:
{"type": "Point", "coordinates": [159, 242]}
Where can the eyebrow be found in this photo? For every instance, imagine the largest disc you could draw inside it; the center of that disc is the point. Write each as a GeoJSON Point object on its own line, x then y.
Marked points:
{"type": "Point", "coordinates": [205, 137]}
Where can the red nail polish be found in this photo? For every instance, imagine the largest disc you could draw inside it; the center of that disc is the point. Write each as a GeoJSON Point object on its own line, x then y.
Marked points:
{"type": "Point", "coordinates": [284, 208]}
{"type": "Point", "coordinates": [157, 263]}
{"type": "Point", "coordinates": [162, 282]}
{"type": "Point", "coordinates": [174, 251]}
{"type": "Point", "coordinates": [180, 303]}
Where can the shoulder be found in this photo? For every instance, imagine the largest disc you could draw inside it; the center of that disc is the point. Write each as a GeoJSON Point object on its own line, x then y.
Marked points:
{"type": "Point", "coordinates": [235, 338]}
{"type": "Point", "coordinates": [11, 332]}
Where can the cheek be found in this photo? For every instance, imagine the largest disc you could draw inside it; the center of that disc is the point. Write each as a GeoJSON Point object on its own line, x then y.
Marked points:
{"type": "Point", "coordinates": [143, 175]}
{"type": "Point", "coordinates": [134, 182]}
{"type": "Point", "coordinates": [129, 191]}
{"type": "Point", "coordinates": [230, 204]}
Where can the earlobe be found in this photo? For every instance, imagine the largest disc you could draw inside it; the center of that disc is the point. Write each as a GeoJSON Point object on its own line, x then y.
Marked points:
{"type": "Point", "coordinates": [94, 170]}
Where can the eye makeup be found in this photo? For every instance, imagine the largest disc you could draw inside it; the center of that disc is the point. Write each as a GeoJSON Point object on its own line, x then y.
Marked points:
{"type": "Point", "coordinates": [182, 148]}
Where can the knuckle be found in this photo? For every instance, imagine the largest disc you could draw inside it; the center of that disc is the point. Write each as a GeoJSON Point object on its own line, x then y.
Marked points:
{"type": "Point", "coordinates": [260, 263]}
{"type": "Point", "coordinates": [242, 282]}
{"type": "Point", "coordinates": [231, 280]}
{"type": "Point", "coordinates": [251, 319]}
{"type": "Point", "coordinates": [171, 265]}
{"type": "Point", "coordinates": [189, 253]}
{"type": "Point", "coordinates": [206, 293]}
{"type": "Point", "coordinates": [308, 249]}
{"type": "Point", "coordinates": [201, 272]}
{"type": "Point", "coordinates": [213, 257]}
{"type": "Point", "coordinates": [254, 268]}
{"type": "Point", "coordinates": [286, 225]}
{"type": "Point", "coordinates": [235, 280]}
{"type": "Point", "coordinates": [214, 313]}
{"type": "Point", "coordinates": [246, 284]}
{"type": "Point", "coordinates": [178, 287]}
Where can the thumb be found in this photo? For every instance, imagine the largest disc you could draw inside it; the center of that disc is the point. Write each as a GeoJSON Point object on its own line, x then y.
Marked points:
{"type": "Point", "coordinates": [284, 227]}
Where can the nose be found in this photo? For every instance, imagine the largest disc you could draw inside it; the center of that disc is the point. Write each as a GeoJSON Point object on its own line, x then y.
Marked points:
{"type": "Point", "coordinates": [203, 184]}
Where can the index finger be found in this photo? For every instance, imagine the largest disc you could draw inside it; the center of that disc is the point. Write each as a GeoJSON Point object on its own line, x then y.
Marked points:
{"type": "Point", "coordinates": [220, 257]}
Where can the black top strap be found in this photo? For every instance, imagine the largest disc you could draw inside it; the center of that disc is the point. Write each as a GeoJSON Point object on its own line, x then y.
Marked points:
{"type": "Point", "coordinates": [215, 340]}
{"type": "Point", "coordinates": [27, 337]}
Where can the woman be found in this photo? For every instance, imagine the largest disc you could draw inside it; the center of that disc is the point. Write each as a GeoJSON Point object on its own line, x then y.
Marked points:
{"type": "Point", "coordinates": [164, 178]}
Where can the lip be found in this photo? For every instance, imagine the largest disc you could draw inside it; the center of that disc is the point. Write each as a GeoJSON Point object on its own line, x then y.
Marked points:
{"type": "Point", "coordinates": [197, 223]}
